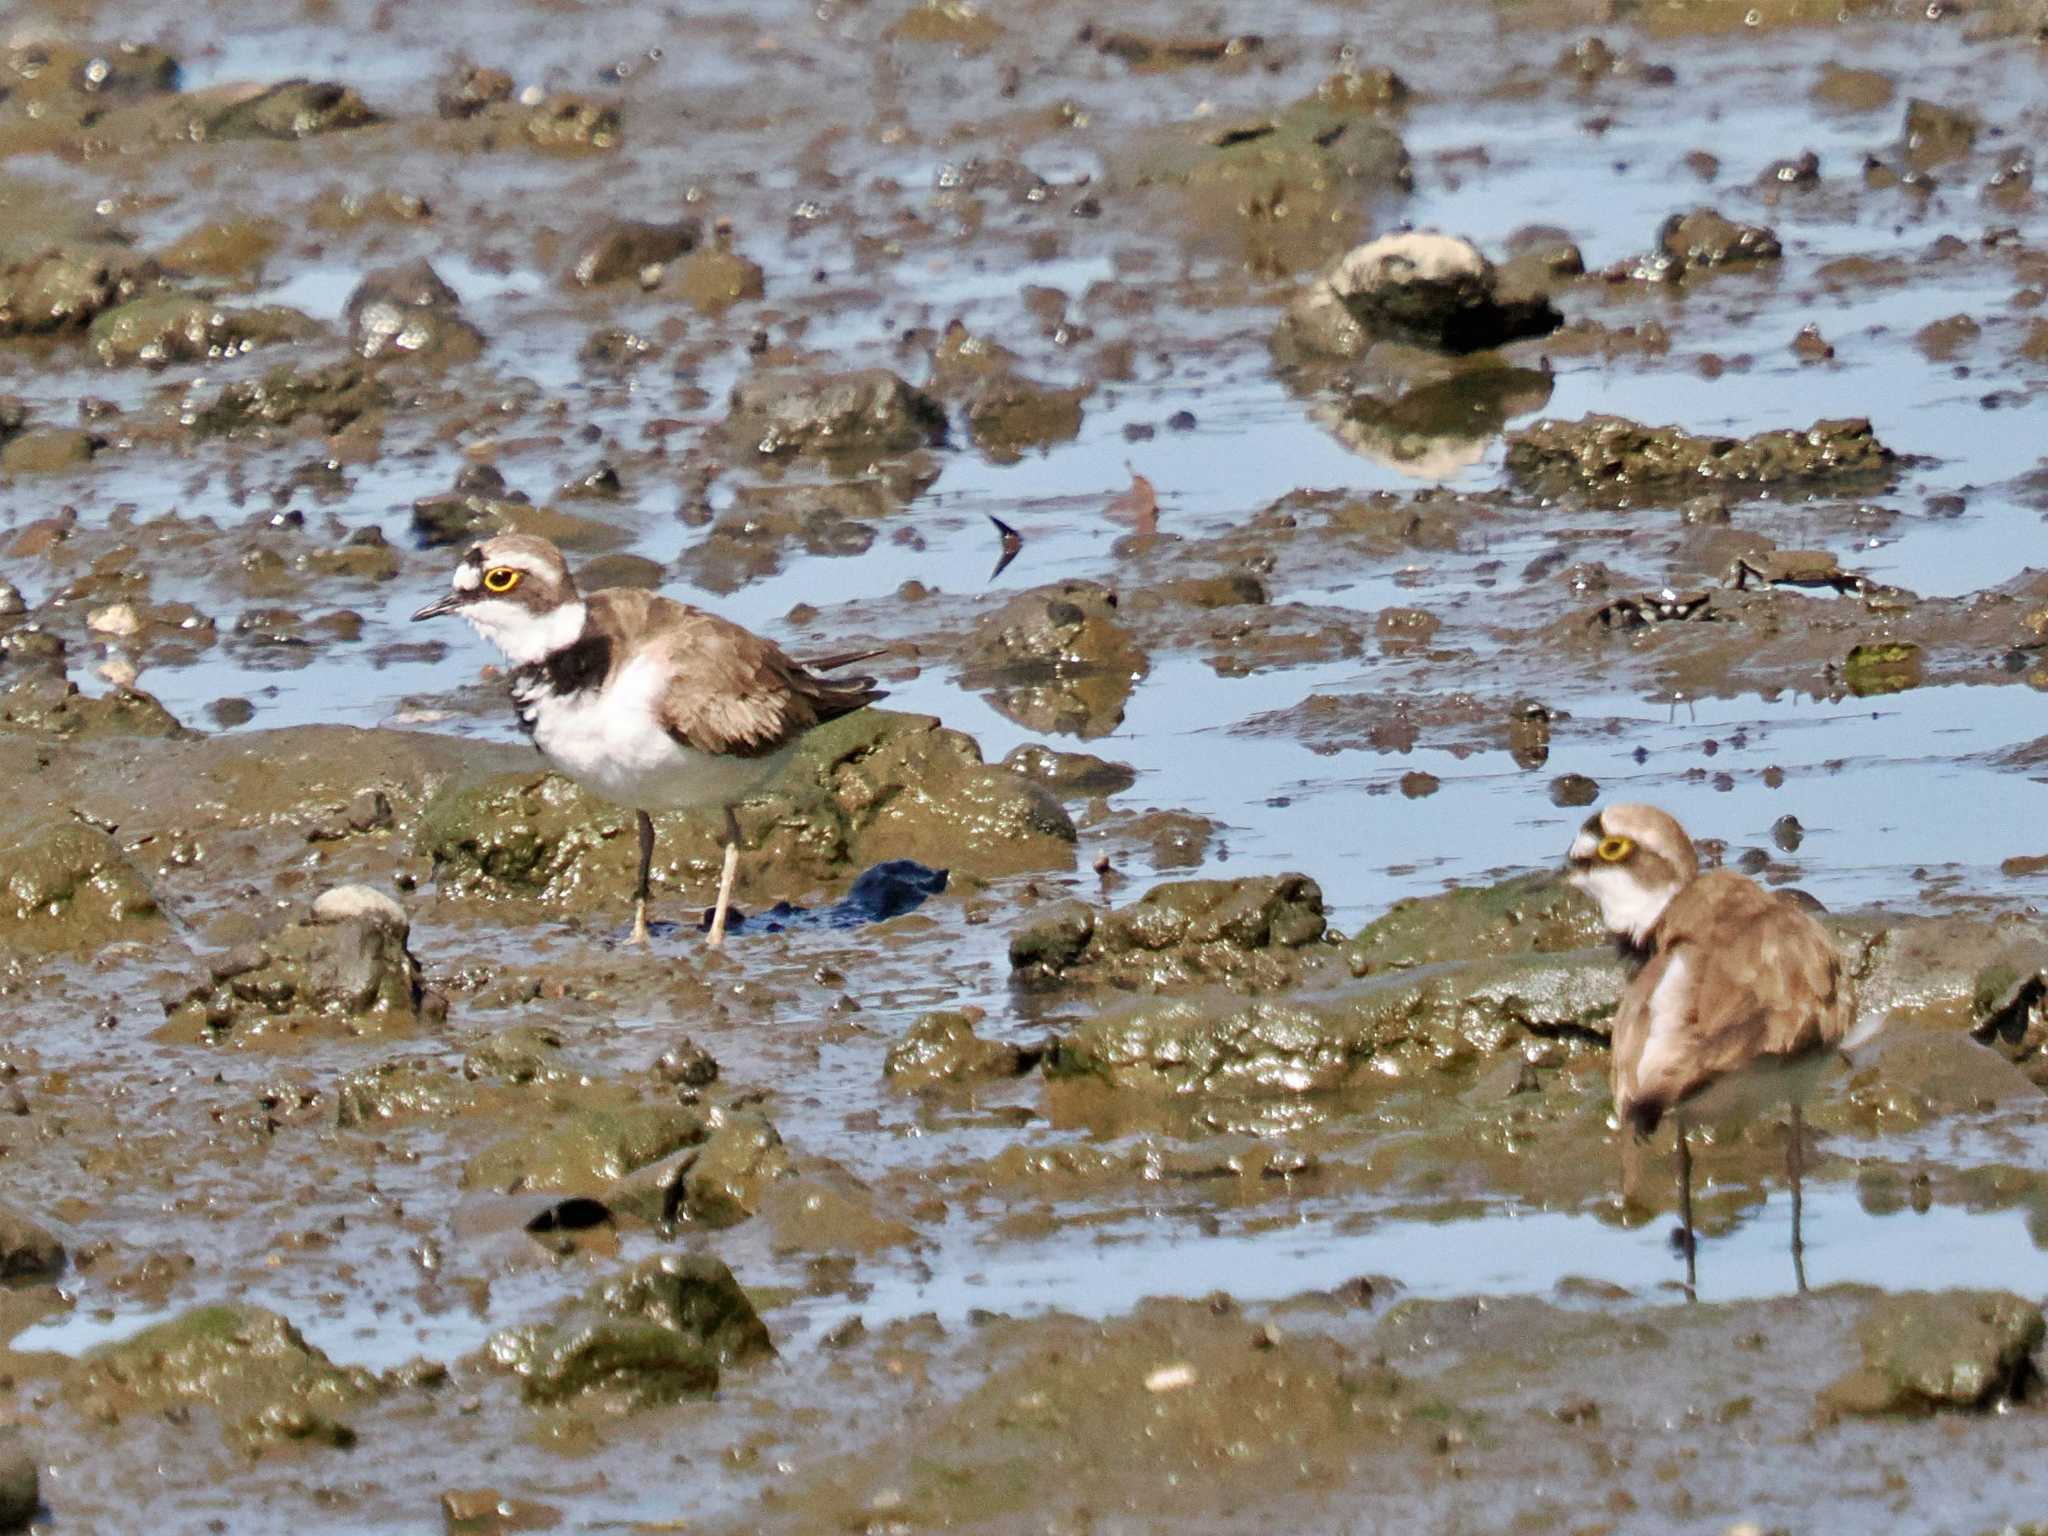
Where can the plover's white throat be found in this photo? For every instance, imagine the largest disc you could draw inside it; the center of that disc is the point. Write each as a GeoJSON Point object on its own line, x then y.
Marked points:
{"type": "Point", "coordinates": [646, 701]}
{"type": "Point", "coordinates": [1737, 993]}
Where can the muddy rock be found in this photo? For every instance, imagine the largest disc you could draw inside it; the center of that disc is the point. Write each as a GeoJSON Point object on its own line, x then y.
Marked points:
{"type": "Point", "coordinates": [1953, 1349]}
{"type": "Point", "coordinates": [1703, 239]}
{"type": "Point", "coordinates": [346, 965]}
{"type": "Point", "coordinates": [29, 1251]}
{"type": "Point", "coordinates": [329, 397]}
{"type": "Point", "coordinates": [1009, 416]}
{"type": "Point", "coordinates": [66, 886]}
{"type": "Point", "coordinates": [268, 1385]}
{"type": "Point", "coordinates": [869, 411]}
{"type": "Point", "coordinates": [64, 287]}
{"type": "Point", "coordinates": [1244, 933]}
{"type": "Point", "coordinates": [1288, 183]}
{"type": "Point", "coordinates": [524, 1053]}
{"type": "Point", "coordinates": [942, 1050]}
{"type": "Point", "coordinates": [659, 1332]}
{"type": "Point", "coordinates": [178, 327]}
{"type": "Point", "coordinates": [19, 1482]}
{"type": "Point", "coordinates": [408, 311]}
{"type": "Point", "coordinates": [868, 787]}
{"type": "Point", "coordinates": [713, 278]}
{"type": "Point", "coordinates": [234, 248]}
{"type": "Point", "coordinates": [1528, 915]}
{"type": "Point", "coordinates": [946, 23]}
{"type": "Point", "coordinates": [693, 1295]}
{"type": "Point", "coordinates": [728, 1176]}
{"type": "Point", "coordinates": [1610, 455]}
{"type": "Point", "coordinates": [570, 125]}
{"type": "Point", "coordinates": [294, 109]}
{"type": "Point", "coordinates": [1057, 659]}
{"type": "Point", "coordinates": [1348, 1036]}
{"type": "Point", "coordinates": [401, 1090]}
{"type": "Point", "coordinates": [628, 248]}
{"type": "Point", "coordinates": [1431, 290]}
{"type": "Point", "coordinates": [1935, 133]}
{"type": "Point", "coordinates": [469, 88]}
{"type": "Point", "coordinates": [1070, 774]}
{"type": "Point", "coordinates": [584, 1149]}
{"type": "Point", "coordinates": [54, 706]}
{"type": "Point", "coordinates": [49, 451]}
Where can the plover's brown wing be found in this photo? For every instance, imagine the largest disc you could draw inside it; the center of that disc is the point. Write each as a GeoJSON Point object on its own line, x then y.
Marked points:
{"type": "Point", "coordinates": [1745, 976]}
{"type": "Point", "coordinates": [731, 692]}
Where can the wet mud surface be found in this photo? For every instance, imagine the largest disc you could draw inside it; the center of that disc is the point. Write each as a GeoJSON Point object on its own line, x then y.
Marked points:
{"type": "Point", "coordinates": [1223, 1143]}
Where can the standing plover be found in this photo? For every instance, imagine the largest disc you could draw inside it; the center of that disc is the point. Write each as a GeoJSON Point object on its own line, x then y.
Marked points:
{"type": "Point", "coordinates": [646, 701]}
{"type": "Point", "coordinates": [1736, 993]}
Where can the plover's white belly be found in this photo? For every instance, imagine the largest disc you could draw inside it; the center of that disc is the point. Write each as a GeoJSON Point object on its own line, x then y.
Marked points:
{"type": "Point", "coordinates": [609, 741]}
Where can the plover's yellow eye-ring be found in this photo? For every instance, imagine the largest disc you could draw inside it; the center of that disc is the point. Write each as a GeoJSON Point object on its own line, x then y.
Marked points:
{"type": "Point", "coordinates": [501, 578]}
{"type": "Point", "coordinates": [1615, 849]}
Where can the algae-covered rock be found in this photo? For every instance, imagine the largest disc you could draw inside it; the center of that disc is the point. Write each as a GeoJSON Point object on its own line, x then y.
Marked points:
{"type": "Point", "coordinates": [942, 1049]}
{"type": "Point", "coordinates": [584, 1149]}
{"type": "Point", "coordinates": [1925, 1350]}
{"type": "Point", "coordinates": [1244, 933]}
{"type": "Point", "coordinates": [62, 287]}
{"type": "Point", "coordinates": [407, 311]}
{"type": "Point", "coordinates": [1423, 288]}
{"type": "Point", "coordinates": [641, 1361]}
{"type": "Point", "coordinates": [169, 327]}
{"type": "Point", "coordinates": [869, 411]}
{"type": "Point", "coordinates": [1342, 1037]}
{"type": "Point", "coordinates": [292, 109]}
{"type": "Point", "coordinates": [871, 786]}
{"type": "Point", "coordinates": [657, 1333]}
{"type": "Point", "coordinates": [718, 1180]}
{"type": "Point", "coordinates": [1057, 658]}
{"type": "Point", "coordinates": [1614, 456]}
{"type": "Point", "coordinates": [399, 1090]}
{"type": "Point", "coordinates": [629, 247]}
{"type": "Point", "coordinates": [346, 964]}
{"type": "Point", "coordinates": [693, 1295]}
{"type": "Point", "coordinates": [330, 397]}
{"type": "Point", "coordinates": [1530, 914]}
{"type": "Point", "coordinates": [256, 1370]}
{"type": "Point", "coordinates": [28, 1249]}
{"type": "Point", "coordinates": [523, 1053]}
{"type": "Point", "coordinates": [65, 885]}
{"type": "Point", "coordinates": [51, 704]}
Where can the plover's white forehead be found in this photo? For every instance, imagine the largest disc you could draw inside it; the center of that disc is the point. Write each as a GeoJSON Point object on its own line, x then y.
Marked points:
{"type": "Point", "coordinates": [467, 577]}
{"type": "Point", "coordinates": [1584, 845]}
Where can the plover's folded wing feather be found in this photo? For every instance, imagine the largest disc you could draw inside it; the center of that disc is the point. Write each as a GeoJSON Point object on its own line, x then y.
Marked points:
{"type": "Point", "coordinates": [730, 692]}
{"type": "Point", "coordinates": [1743, 976]}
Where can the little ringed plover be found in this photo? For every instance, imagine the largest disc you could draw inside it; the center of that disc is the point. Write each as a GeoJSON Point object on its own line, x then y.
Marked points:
{"type": "Point", "coordinates": [646, 701]}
